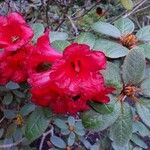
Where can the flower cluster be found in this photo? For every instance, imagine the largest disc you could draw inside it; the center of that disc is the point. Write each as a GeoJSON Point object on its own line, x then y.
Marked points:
{"type": "Point", "coordinates": [65, 82]}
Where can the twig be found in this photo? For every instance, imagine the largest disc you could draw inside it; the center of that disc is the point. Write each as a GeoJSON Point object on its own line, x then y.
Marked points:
{"type": "Point", "coordinates": [46, 11]}
{"type": "Point", "coordinates": [51, 131]}
{"type": "Point", "coordinates": [63, 20]}
{"type": "Point", "coordinates": [87, 10]}
{"type": "Point", "coordinates": [142, 9]}
{"type": "Point", "coordinates": [116, 18]}
{"type": "Point", "coordinates": [73, 25]}
{"type": "Point", "coordinates": [11, 145]}
{"type": "Point", "coordinates": [131, 12]}
{"type": "Point", "coordinates": [2, 119]}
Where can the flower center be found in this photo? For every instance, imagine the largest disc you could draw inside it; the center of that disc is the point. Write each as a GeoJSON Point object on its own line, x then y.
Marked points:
{"type": "Point", "coordinates": [76, 65]}
{"type": "Point", "coordinates": [15, 38]}
{"type": "Point", "coordinates": [43, 67]}
{"type": "Point", "coordinates": [19, 120]}
{"type": "Point", "coordinates": [75, 98]}
{"type": "Point", "coordinates": [130, 91]}
{"type": "Point", "coordinates": [68, 148]}
{"type": "Point", "coordinates": [129, 41]}
{"type": "Point", "coordinates": [71, 128]}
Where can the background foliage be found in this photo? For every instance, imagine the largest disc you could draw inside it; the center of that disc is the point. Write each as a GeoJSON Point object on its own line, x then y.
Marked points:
{"type": "Point", "coordinates": [124, 123]}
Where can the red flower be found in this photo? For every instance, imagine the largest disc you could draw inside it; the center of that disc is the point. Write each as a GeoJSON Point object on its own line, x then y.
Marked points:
{"type": "Point", "coordinates": [13, 65]}
{"type": "Point", "coordinates": [43, 55]}
{"type": "Point", "coordinates": [73, 80]}
{"type": "Point", "coordinates": [101, 94]}
{"type": "Point", "coordinates": [14, 32]}
{"type": "Point", "coordinates": [78, 70]}
{"type": "Point", "coordinates": [46, 93]}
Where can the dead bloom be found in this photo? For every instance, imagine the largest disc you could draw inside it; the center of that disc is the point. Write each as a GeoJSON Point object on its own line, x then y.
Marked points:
{"type": "Point", "coordinates": [129, 41]}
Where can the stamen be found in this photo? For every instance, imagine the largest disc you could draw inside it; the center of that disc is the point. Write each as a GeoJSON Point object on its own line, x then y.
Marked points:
{"type": "Point", "coordinates": [15, 38]}
{"type": "Point", "coordinates": [43, 67]}
{"type": "Point", "coordinates": [76, 66]}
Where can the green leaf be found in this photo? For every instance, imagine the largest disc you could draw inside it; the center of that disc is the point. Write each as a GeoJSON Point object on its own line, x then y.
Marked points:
{"type": "Point", "coordinates": [10, 130]}
{"type": "Point", "coordinates": [144, 113]}
{"type": "Point", "coordinates": [12, 85]}
{"type": "Point", "coordinates": [101, 108]}
{"type": "Point", "coordinates": [58, 142]}
{"type": "Point", "coordinates": [145, 86]}
{"type": "Point", "coordinates": [18, 134]}
{"type": "Point", "coordinates": [137, 148]}
{"type": "Point", "coordinates": [127, 4]}
{"type": "Point", "coordinates": [140, 128]}
{"type": "Point", "coordinates": [38, 29]}
{"type": "Point", "coordinates": [146, 49]}
{"type": "Point", "coordinates": [80, 132]}
{"type": "Point", "coordinates": [86, 143]}
{"type": "Point", "coordinates": [107, 29]}
{"type": "Point", "coordinates": [19, 94]}
{"type": "Point", "coordinates": [133, 67]}
{"type": "Point", "coordinates": [138, 141]}
{"type": "Point", "coordinates": [145, 101]}
{"type": "Point", "coordinates": [121, 130]}
{"type": "Point", "coordinates": [79, 128]}
{"type": "Point", "coordinates": [125, 25]}
{"type": "Point", "coordinates": [8, 141]}
{"type": "Point", "coordinates": [10, 114]}
{"type": "Point", "coordinates": [111, 49]}
{"type": "Point", "coordinates": [143, 33]}
{"type": "Point", "coordinates": [60, 45]}
{"type": "Point", "coordinates": [86, 38]}
{"type": "Point", "coordinates": [105, 143]}
{"type": "Point", "coordinates": [95, 146]}
{"type": "Point", "coordinates": [65, 131]}
{"type": "Point", "coordinates": [1, 132]}
{"type": "Point", "coordinates": [27, 108]}
{"type": "Point", "coordinates": [128, 146]}
{"type": "Point", "coordinates": [47, 112]}
{"type": "Point", "coordinates": [112, 75]}
{"type": "Point", "coordinates": [71, 121]}
{"type": "Point", "coordinates": [36, 124]}
{"type": "Point", "coordinates": [98, 122]}
{"type": "Point", "coordinates": [71, 139]}
{"type": "Point", "coordinates": [8, 98]}
{"type": "Point", "coordinates": [55, 36]}
{"type": "Point", "coordinates": [61, 124]}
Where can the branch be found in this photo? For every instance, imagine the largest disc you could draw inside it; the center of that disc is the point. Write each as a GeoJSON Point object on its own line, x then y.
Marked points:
{"type": "Point", "coordinates": [73, 25]}
{"type": "Point", "coordinates": [135, 8]}
{"type": "Point", "coordinates": [86, 12]}
{"type": "Point", "coordinates": [11, 145]}
{"type": "Point", "coordinates": [46, 11]}
{"type": "Point", "coordinates": [51, 131]}
{"type": "Point", "coordinates": [2, 119]}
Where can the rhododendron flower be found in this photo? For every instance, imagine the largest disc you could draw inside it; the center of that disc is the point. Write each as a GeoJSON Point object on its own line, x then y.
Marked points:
{"type": "Point", "coordinates": [46, 93]}
{"type": "Point", "coordinates": [43, 55]}
{"type": "Point", "coordinates": [14, 32]}
{"type": "Point", "coordinates": [101, 95]}
{"type": "Point", "coordinates": [73, 80]}
{"type": "Point", "coordinates": [78, 70]}
{"type": "Point", "coordinates": [13, 65]}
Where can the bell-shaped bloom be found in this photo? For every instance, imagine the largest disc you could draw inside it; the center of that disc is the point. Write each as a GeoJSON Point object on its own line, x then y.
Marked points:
{"type": "Point", "coordinates": [46, 93]}
{"type": "Point", "coordinates": [101, 95]}
{"type": "Point", "coordinates": [73, 80]}
{"type": "Point", "coordinates": [78, 70]}
{"type": "Point", "coordinates": [14, 32]}
{"type": "Point", "coordinates": [43, 55]}
{"type": "Point", "coordinates": [13, 65]}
